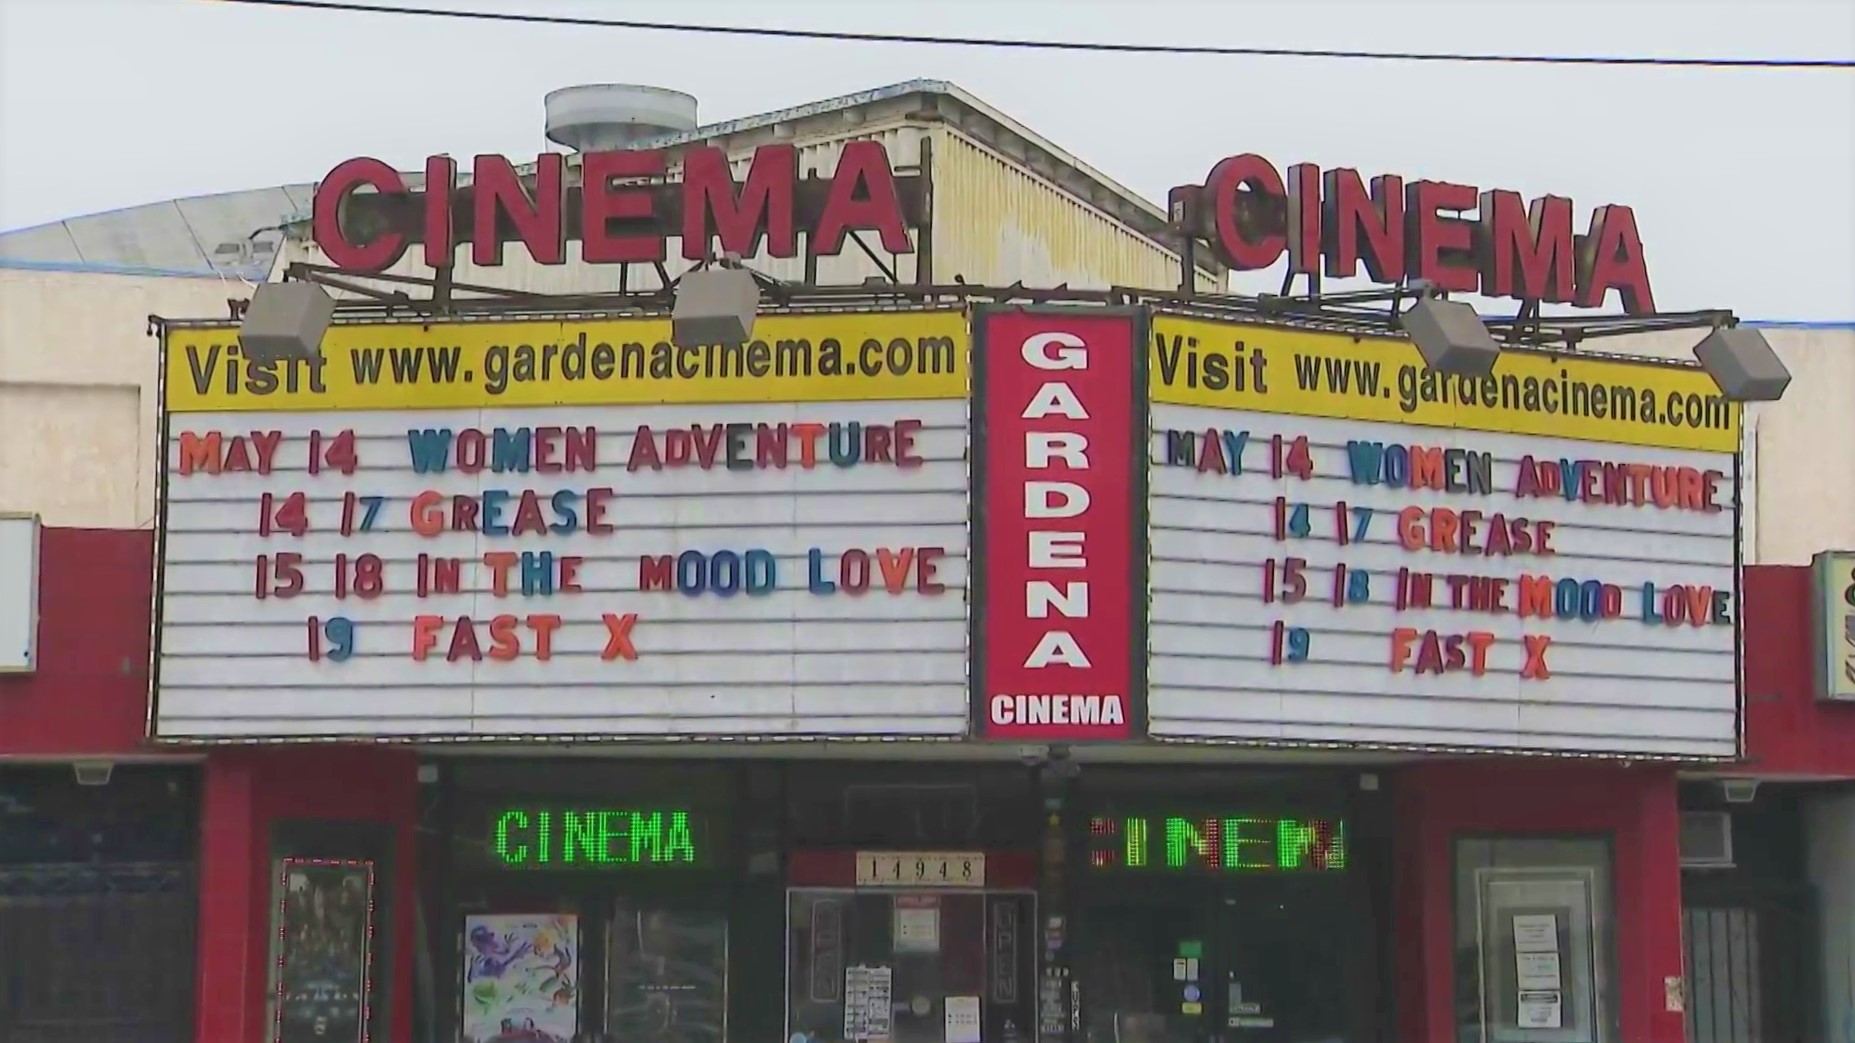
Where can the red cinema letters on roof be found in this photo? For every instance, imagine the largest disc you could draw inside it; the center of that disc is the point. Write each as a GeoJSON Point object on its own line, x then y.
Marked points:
{"type": "Point", "coordinates": [1457, 237]}
{"type": "Point", "coordinates": [617, 204]}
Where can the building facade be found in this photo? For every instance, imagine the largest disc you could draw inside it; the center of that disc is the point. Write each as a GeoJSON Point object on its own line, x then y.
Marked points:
{"type": "Point", "coordinates": [527, 677]}
{"type": "Point", "coordinates": [866, 724]}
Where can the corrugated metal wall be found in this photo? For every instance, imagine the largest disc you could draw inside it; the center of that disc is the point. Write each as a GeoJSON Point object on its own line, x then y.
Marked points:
{"type": "Point", "coordinates": [997, 223]}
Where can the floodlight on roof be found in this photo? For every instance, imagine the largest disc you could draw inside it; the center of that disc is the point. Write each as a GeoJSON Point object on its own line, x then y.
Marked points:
{"type": "Point", "coordinates": [286, 320]}
{"type": "Point", "coordinates": [1742, 364]}
{"type": "Point", "coordinates": [714, 305]}
{"type": "Point", "coordinates": [1450, 336]}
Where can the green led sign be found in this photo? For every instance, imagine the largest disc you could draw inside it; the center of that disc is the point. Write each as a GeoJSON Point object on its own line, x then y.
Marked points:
{"type": "Point", "coordinates": [595, 838]}
{"type": "Point", "coordinates": [1235, 844]}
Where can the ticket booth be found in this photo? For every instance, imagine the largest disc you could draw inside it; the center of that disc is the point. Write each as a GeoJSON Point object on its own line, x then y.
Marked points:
{"type": "Point", "coordinates": [911, 907]}
{"type": "Point", "coordinates": [911, 946]}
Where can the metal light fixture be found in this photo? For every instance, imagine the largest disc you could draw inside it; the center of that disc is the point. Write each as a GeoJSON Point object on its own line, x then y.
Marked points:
{"type": "Point", "coordinates": [714, 305]}
{"type": "Point", "coordinates": [1450, 337]}
{"type": "Point", "coordinates": [1742, 364]}
{"type": "Point", "coordinates": [286, 320]}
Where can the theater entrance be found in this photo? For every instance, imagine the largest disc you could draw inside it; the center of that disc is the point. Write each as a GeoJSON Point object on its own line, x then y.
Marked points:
{"type": "Point", "coordinates": [1207, 928]}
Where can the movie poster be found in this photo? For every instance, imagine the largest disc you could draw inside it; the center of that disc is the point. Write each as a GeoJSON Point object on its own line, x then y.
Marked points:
{"type": "Point", "coordinates": [521, 978]}
{"type": "Point", "coordinates": [323, 948]}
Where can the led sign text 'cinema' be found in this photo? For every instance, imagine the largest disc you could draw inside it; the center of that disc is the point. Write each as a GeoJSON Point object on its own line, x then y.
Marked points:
{"type": "Point", "coordinates": [1222, 844]}
{"type": "Point", "coordinates": [599, 838]}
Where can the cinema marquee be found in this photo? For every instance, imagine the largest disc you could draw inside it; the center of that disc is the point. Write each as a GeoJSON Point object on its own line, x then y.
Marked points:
{"type": "Point", "coordinates": [617, 204]}
{"type": "Point", "coordinates": [1457, 237]}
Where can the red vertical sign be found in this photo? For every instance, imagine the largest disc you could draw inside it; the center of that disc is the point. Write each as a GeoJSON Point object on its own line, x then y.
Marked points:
{"type": "Point", "coordinates": [1056, 631]}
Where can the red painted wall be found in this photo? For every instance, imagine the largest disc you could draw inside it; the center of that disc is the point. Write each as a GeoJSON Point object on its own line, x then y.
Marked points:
{"type": "Point", "coordinates": [1635, 807]}
{"type": "Point", "coordinates": [89, 696]}
{"type": "Point", "coordinates": [245, 792]}
{"type": "Point", "coordinates": [1789, 731]}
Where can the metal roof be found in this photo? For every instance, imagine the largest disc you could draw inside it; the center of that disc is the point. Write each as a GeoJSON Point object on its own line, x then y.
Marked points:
{"type": "Point", "coordinates": [232, 234]}
{"type": "Point", "coordinates": [237, 234]}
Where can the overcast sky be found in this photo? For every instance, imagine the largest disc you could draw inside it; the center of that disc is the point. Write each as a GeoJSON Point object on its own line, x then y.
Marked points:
{"type": "Point", "coordinates": [1741, 180]}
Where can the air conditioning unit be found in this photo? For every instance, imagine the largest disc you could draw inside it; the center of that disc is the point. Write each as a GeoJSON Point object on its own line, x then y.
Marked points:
{"type": "Point", "coordinates": [1706, 840]}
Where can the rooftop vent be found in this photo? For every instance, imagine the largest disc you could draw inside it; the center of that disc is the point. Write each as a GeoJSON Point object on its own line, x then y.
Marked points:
{"type": "Point", "coordinates": [600, 117]}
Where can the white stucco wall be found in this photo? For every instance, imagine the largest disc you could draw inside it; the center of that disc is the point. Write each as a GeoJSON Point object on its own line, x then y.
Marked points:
{"type": "Point", "coordinates": [1831, 832]}
{"type": "Point", "coordinates": [77, 390]}
{"type": "Point", "coordinates": [1800, 451]}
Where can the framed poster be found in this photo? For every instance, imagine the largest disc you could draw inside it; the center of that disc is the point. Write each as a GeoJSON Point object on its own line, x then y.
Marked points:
{"type": "Point", "coordinates": [521, 978]}
{"type": "Point", "coordinates": [322, 951]}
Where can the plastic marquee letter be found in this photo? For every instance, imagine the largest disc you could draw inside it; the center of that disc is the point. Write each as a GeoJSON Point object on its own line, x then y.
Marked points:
{"type": "Point", "coordinates": [927, 570]}
{"type": "Point", "coordinates": [428, 513]}
{"type": "Point", "coordinates": [543, 625]}
{"type": "Point", "coordinates": [464, 642]}
{"type": "Point", "coordinates": [818, 584]}
{"type": "Point", "coordinates": [425, 635]}
{"type": "Point", "coordinates": [504, 645]}
{"type": "Point", "coordinates": [618, 637]}
{"type": "Point", "coordinates": [1536, 669]}
{"type": "Point", "coordinates": [1401, 641]}
{"type": "Point", "coordinates": [200, 452]}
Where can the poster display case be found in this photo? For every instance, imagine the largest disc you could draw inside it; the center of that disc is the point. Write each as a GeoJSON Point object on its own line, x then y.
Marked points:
{"type": "Point", "coordinates": [322, 949]}
{"type": "Point", "coordinates": [666, 974]}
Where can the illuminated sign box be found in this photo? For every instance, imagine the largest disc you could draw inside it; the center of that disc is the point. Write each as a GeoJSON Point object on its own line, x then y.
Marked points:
{"type": "Point", "coordinates": [1216, 844]}
{"type": "Point", "coordinates": [569, 528]}
{"type": "Point", "coordinates": [598, 838]}
{"type": "Point", "coordinates": [1348, 547]}
{"type": "Point", "coordinates": [1835, 624]}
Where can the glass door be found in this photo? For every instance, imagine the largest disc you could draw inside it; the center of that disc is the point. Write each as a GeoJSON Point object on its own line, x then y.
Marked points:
{"type": "Point", "coordinates": [1259, 962]}
{"type": "Point", "coordinates": [1145, 970]}
{"type": "Point", "coordinates": [666, 974]}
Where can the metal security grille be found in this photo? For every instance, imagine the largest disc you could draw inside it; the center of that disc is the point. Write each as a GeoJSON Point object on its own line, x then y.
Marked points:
{"type": "Point", "coordinates": [1748, 972]}
{"type": "Point", "coordinates": [96, 953]}
{"type": "Point", "coordinates": [1723, 976]}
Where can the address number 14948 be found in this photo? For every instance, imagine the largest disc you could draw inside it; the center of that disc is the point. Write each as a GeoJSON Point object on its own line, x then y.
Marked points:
{"type": "Point", "coordinates": [920, 869]}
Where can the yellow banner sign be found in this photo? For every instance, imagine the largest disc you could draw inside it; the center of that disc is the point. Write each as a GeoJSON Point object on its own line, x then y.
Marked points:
{"type": "Point", "coordinates": [467, 365]}
{"type": "Point", "coordinates": [1307, 373]}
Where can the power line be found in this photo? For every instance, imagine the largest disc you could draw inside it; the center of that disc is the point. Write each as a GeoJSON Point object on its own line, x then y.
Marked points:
{"type": "Point", "coordinates": [1059, 45]}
